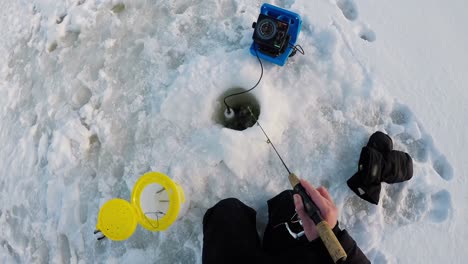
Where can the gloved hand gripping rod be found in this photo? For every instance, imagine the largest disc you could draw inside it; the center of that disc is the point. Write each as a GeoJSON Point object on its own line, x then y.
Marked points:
{"type": "Point", "coordinates": [329, 239]}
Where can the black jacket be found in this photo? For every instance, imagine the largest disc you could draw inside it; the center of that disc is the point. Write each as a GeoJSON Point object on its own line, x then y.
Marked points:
{"type": "Point", "coordinates": [230, 236]}
{"type": "Point", "coordinates": [279, 244]}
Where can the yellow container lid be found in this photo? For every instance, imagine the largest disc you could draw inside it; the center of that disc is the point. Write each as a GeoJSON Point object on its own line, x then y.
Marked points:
{"type": "Point", "coordinates": [117, 219]}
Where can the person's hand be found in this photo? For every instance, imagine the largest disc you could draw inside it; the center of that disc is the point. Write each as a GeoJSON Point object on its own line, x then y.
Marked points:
{"type": "Point", "coordinates": [324, 202]}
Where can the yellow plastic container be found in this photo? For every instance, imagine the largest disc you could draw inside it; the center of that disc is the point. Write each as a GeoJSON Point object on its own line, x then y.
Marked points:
{"type": "Point", "coordinates": [155, 204]}
{"type": "Point", "coordinates": [175, 196]}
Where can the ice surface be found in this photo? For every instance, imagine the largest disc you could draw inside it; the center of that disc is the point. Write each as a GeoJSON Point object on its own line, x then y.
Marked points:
{"type": "Point", "coordinates": [94, 93]}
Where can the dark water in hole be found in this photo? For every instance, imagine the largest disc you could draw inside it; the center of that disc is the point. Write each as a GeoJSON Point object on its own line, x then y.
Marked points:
{"type": "Point", "coordinates": [240, 104]}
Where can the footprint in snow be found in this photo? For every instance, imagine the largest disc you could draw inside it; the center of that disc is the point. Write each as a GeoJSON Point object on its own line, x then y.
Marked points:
{"type": "Point", "coordinates": [404, 206]}
{"type": "Point", "coordinates": [440, 206]}
{"type": "Point", "coordinates": [419, 144]}
{"type": "Point", "coordinates": [350, 12]}
{"type": "Point", "coordinates": [406, 203]}
{"type": "Point", "coordinates": [365, 33]}
{"type": "Point", "coordinates": [348, 8]}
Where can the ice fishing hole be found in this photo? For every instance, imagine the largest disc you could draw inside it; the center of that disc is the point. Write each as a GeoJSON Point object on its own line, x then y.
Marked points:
{"type": "Point", "coordinates": [242, 118]}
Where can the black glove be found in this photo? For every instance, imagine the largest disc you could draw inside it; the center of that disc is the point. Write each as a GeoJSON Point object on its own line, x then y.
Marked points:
{"type": "Point", "coordinates": [378, 163]}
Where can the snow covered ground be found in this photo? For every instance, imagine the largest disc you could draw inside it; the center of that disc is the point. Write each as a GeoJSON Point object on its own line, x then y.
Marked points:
{"type": "Point", "coordinates": [93, 94]}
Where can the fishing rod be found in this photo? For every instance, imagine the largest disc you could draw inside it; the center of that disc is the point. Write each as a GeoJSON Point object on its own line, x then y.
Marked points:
{"type": "Point", "coordinates": [323, 229]}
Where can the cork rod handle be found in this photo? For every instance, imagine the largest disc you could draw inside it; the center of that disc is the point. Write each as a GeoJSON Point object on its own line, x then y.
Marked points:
{"type": "Point", "coordinates": [329, 239]}
{"type": "Point", "coordinates": [331, 242]}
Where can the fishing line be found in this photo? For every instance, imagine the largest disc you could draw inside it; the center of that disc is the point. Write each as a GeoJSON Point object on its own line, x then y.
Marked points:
{"type": "Point", "coordinates": [269, 141]}
{"type": "Point", "coordinates": [295, 49]}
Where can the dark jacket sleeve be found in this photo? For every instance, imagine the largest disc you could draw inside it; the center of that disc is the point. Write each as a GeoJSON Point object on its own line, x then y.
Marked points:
{"type": "Point", "coordinates": [355, 255]}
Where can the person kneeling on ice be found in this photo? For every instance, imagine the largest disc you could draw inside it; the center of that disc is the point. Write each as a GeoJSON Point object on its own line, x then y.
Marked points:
{"type": "Point", "coordinates": [230, 234]}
